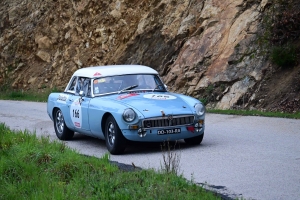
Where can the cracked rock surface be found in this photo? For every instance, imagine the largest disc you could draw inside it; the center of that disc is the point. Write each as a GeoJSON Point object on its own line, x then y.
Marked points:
{"type": "Point", "coordinates": [199, 47]}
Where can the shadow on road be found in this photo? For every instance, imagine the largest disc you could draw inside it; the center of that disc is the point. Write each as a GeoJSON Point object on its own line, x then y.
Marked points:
{"type": "Point", "coordinates": [136, 147]}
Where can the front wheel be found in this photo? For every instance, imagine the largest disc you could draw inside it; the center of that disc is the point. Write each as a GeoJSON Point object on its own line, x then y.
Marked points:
{"type": "Point", "coordinates": [114, 139]}
{"type": "Point", "coordinates": [61, 130]}
{"type": "Point", "coordinates": [194, 140]}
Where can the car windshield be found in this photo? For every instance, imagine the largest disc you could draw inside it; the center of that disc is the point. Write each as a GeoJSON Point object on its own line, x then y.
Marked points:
{"type": "Point", "coordinates": [113, 84]}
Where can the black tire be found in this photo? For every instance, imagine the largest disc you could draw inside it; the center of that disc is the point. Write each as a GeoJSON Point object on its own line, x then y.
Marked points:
{"type": "Point", "coordinates": [114, 139]}
{"type": "Point", "coordinates": [61, 130]}
{"type": "Point", "coordinates": [194, 140]}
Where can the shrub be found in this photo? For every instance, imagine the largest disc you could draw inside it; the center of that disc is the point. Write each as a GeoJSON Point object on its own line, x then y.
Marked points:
{"type": "Point", "coordinates": [171, 159]}
{"type": "Point", "coordinates": [284, 56]}
{"type": "Point", "coordinates": [204, 101]}
{"type": "Point", "coordinates": [281, 31]}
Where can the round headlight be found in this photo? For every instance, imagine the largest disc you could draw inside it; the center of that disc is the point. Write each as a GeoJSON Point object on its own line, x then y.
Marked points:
{"type": "Point", "coordinates": [200, 109]}
{"type": "Point", "coordinates": [129, 115]}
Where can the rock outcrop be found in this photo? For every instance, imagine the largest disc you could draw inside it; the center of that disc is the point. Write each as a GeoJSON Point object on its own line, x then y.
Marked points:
{"type": "Point", "coordinates": [198, 46]}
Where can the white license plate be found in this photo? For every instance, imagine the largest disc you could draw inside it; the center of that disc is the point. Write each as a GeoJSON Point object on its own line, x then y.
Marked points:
{"type": "Point", "coordinates": [168, 131]}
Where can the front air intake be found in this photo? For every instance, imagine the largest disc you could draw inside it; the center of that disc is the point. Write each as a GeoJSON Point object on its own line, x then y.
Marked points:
{"type": "Point", "coordinates": [169, 120]}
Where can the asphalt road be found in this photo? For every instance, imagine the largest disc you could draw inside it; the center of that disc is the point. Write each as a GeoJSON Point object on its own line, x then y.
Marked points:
{"type": "Point", "coordinates": [249, 157]}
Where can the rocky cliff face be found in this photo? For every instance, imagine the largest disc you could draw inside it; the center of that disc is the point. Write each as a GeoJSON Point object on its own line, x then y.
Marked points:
{"type": "Point", "coordinates": [203, 48]}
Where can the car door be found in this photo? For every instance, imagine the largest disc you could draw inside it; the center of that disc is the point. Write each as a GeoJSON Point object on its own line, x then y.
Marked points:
{"type": "Point", "coordinates": [79, 106]}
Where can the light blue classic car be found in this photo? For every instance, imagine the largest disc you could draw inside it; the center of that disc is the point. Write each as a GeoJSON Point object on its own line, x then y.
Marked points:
{"type": "Point", "coordinates": [119, 103]}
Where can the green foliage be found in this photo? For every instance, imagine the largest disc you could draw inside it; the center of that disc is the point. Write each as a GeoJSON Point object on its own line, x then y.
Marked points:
{"type": "Point", "coordinates": [204, 101]}
{"type": "Point", "coordinates": [209, 89]}
{"type": "Point", "coordinates": [284, 56]}
{"type": "Point", "coordinates": [16, 94]}
{"type": "Point", "coordinates": [55, 89]}
{"type": "Point", "coordinates": [281, 28]}
{"type": "Point", "coordinates": [256, 113]}
{"type": "Point", "coordinates": [36, 168]}
{"type": "Point", "coordinates": [40, 95]}
{"type": "Point", "coordinates": [285, 22]}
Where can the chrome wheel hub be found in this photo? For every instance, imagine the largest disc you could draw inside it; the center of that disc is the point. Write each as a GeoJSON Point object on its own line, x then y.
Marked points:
{"type": "Point", "coordinates": [111, 133]}
{"type": "Point", "coordinates": [59, 122]}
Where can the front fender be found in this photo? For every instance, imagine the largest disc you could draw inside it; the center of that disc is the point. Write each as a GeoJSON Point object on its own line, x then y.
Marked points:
{"type": "Point", "coordinates": [60, 101]}
{"type": "Point", "coordinates": [101, 108]}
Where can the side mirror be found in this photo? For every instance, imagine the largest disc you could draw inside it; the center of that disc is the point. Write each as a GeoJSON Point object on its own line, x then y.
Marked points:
{"type": "Point", "coordinates": [81, 93]}
{"type": "Point", "coordinates": [166, 86]}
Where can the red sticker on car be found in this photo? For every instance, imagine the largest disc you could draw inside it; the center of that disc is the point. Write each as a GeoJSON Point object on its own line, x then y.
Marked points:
{"type": "Point", "coordinates": [77, 124]}
{"type": "Point", "coordinates": [97, 74]}
{"type": "Point", "coordinates": [127, 96]}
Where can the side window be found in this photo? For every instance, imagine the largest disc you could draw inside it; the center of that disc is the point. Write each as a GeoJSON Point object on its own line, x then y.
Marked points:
{"type": "Point", "coordinates": [83, 84]}
{"type": "Point", "coordinates": [88, 87]}
{"type": "Point", "coordinates": [72, 84]}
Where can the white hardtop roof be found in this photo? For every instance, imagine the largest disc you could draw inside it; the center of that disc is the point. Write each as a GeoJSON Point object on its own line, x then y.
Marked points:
{"type": "Point", "coordinates": [113, 70]}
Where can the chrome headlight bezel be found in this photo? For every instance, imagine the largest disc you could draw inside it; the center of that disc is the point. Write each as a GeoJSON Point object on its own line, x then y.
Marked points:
{"type": "Point", "coordinates": [129, 115]}
{"type": "Point", "coordinates": [199, 108]}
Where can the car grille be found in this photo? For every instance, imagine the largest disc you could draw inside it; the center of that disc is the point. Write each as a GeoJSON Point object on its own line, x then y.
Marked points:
{"type": "Point", "coordinates": [168, 121]}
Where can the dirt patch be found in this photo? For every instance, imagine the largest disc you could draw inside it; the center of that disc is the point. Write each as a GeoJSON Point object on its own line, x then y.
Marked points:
{"type": "Point", "coordinates": [278, 91]}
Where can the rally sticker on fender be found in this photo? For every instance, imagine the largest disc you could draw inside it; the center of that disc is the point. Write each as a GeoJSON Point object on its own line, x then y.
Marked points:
{"type": "Point", "coordinates": [76, 114]}
{"type": "Point", "coordinates": [127, 96]}
{"type": "Point", "coordinates": [159, 96]}
{"type": "Point", "coordinates": [62, 98]}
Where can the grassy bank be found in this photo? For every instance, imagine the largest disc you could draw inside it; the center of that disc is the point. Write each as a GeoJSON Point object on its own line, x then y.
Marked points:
{"type": "Point", "coordinates": [256, 113]}
{"type": "Point", "coordinates": [35, 168]}
{"type": "Point", "coordinates": [21, 95]}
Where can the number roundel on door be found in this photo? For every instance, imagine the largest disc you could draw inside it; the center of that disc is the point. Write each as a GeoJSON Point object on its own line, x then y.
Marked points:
{"type": "Point", "coordinates": [76, 114]}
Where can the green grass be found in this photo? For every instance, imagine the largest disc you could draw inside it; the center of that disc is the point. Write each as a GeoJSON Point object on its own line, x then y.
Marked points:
{"type": "Point", "coordinates": [38, 96]}
{"type": "Point", "coordinates": [256, 113]}
{"type": "Point", "coordinates": [35, 168]}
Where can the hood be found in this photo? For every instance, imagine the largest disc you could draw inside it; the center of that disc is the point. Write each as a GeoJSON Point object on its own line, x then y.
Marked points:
{"type": "Point", "coordinates": [155, 104]}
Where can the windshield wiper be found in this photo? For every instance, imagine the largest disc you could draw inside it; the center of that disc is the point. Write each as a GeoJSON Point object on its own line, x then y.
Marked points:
{"type": "Point", "coordinates": [128, 88]}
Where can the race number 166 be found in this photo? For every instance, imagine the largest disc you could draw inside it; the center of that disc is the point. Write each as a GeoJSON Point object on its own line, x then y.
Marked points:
{"type": "Point", "coordinates": [76, 113]}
